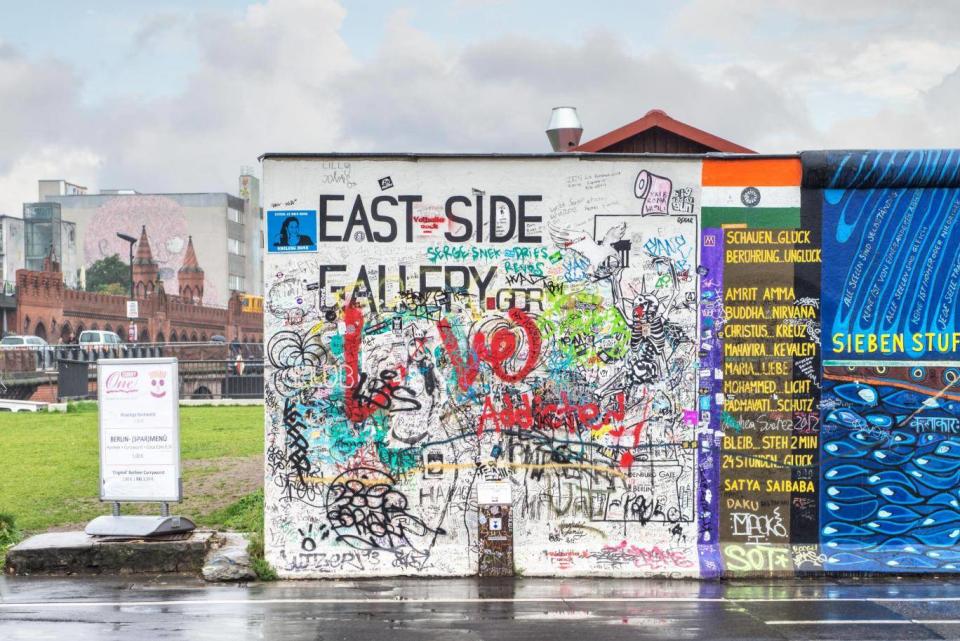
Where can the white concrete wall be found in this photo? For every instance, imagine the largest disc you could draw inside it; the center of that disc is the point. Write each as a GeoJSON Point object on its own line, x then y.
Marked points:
{"type": "Point", "coordinates": [170, 220]}
{"type": "Point", "coordinates": [394, 366]}
{"type": "Point", "coordinates": [13, 257]}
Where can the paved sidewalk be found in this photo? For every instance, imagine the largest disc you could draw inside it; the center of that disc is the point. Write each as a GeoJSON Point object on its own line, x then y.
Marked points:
{"type": "Point", "coordinates": [527, 609]}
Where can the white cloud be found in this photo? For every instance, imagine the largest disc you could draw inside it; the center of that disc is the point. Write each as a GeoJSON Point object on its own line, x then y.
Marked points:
{"type": "Point", "coordinates": [497, 95]}
{"type": "Point", "coordinates": [39, 128]}
{"type": "Point", "coordinates": [847, 62]}
{"type": "Point", "coordinates": [153, 30]}
{"type": "Point", "coordinates": [37, 103]}
{"type": "Point", "coordinates": [928, 120]}
{"type": "Point", "coordinates": [19, 184]}
{"type": "Point", "coordinates": [262, 83]}
{"type": "Point", "coordinates": [772, 75]}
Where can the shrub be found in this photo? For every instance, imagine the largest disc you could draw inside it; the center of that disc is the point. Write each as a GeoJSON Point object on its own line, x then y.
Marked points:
{"type": "Point", "coordinates": [10, 535]}
{"type": "Point", "coordinates": [246, 515]}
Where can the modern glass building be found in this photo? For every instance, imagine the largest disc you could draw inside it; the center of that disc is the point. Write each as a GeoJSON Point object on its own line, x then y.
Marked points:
{"type": "Point", "coordinates": [41, 231]}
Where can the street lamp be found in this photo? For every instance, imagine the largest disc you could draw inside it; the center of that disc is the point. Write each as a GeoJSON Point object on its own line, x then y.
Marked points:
{"type": "Point", "coordinates": [131, 240]}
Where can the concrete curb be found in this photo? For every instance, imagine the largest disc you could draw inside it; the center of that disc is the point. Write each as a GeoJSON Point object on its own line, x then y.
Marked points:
{"type": "Point", "coordinates": [65, 553]}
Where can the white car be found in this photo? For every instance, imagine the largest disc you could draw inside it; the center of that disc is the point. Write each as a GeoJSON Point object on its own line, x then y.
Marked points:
{"type": "Point", "coordinates": [22, 342]}
{"type": "Point", "coordinates": [98, 338]}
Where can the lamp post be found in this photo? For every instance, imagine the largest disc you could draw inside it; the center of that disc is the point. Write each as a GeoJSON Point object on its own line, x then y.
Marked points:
{"type": "Point", "coordinates": [131, 240]}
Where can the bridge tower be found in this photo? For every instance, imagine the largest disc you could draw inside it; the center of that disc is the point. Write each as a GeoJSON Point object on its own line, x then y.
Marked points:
{"type": "Point", "coordinates": [145, 269]}
{"type": "Point", "coordinates": [190, 277]}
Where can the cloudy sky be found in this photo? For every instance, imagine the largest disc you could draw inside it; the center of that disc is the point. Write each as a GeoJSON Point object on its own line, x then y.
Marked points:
{"type": "Point", "coordinates": [177, 95]}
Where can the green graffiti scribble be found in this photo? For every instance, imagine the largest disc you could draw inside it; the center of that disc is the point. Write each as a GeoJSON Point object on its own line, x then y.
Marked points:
{"type": "Point", "coordinates": [345, 439]}
{"type": "Point", "coordinates": [585, 329]}
{"type": "Point", "coordinates": [393, 458]}
{"type": "Point", "coordinates": [399, 460]}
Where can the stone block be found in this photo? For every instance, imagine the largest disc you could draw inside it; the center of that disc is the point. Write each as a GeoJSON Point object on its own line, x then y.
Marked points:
{"type": "Point", "coordinates": [228, 559]}
{"type": "Point", "coordinates": [78, 553]}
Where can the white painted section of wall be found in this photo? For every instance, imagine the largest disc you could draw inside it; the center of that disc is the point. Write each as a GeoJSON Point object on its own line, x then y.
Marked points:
{"type": "Point", "coordinates": [602, 476]}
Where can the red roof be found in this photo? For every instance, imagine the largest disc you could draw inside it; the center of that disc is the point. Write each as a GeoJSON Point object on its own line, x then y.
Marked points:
{"type": "Point", "coordinates": [144, 255]}
{"type": "Point", "coordinates": [190, 263]}
{"type": "Point", "coordinates": [658, 118]}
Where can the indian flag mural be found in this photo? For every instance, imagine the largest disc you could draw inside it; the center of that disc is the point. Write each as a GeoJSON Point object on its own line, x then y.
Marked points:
{"type": "Point", "coordinates": [751, 192]}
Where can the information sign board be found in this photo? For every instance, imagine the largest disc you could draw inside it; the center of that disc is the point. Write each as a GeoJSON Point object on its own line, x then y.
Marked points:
{"type": "Point", "coordinates": [139, 429]}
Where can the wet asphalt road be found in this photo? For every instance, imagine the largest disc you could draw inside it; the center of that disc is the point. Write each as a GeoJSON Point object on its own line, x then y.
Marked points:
{"type": "Point", "coordinates": [526, 609]}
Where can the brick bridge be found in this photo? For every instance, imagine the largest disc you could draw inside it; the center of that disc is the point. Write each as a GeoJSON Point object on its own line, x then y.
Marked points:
{"type": "Point", "coordinates": [45, 307]}
{"type": "Point", "coordinates": [207, 370]}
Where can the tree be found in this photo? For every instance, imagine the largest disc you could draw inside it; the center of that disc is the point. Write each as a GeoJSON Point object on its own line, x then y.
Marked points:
{"type": "Point", "coordinates": [106, 272]}
{"type": "Point", "coordinates": [117, 289]}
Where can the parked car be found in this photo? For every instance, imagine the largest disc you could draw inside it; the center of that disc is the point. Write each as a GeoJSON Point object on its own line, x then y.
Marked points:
{"type": "Point", "coordinates": [22, 342]}
{"type": "Point", "coordinates": [98, 338]}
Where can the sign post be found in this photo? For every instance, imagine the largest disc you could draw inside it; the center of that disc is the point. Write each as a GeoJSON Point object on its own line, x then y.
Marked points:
{"type": "Point", "coordinates": [139, 444]}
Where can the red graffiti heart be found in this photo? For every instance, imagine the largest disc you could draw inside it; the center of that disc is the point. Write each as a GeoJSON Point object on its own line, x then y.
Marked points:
{"type": "Point", "coordinates": [502, 348]}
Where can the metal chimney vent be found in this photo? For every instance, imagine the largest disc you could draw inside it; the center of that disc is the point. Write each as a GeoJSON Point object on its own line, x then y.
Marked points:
{"type": "Point", "coordinates": [565, 129]}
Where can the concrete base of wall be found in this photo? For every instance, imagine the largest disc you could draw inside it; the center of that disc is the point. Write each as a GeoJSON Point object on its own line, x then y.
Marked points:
{"type": "Point", "coordinates": [78, 553]}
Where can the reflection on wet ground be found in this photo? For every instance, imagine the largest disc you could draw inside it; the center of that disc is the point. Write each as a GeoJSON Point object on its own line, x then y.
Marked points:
{"type": "Point", "coordinates": [528, 609]}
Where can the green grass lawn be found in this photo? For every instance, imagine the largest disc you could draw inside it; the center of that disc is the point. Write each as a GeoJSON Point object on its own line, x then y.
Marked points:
{"type": "Point", "coordinates": [50, 470]}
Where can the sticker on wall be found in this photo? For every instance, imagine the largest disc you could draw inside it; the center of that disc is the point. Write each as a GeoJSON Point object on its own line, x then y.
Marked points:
{"type": "Point", "coordinates": [654, 191]}
{"type": "Point", "coordinates": [291, 230]}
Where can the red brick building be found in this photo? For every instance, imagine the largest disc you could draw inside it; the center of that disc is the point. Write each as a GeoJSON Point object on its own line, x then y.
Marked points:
{"type": "Point", "coordinates": [46, 308]}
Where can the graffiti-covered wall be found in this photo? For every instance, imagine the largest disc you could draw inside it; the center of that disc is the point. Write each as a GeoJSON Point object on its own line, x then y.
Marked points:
{"type": "Point", "coordinates": [585, 364]}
